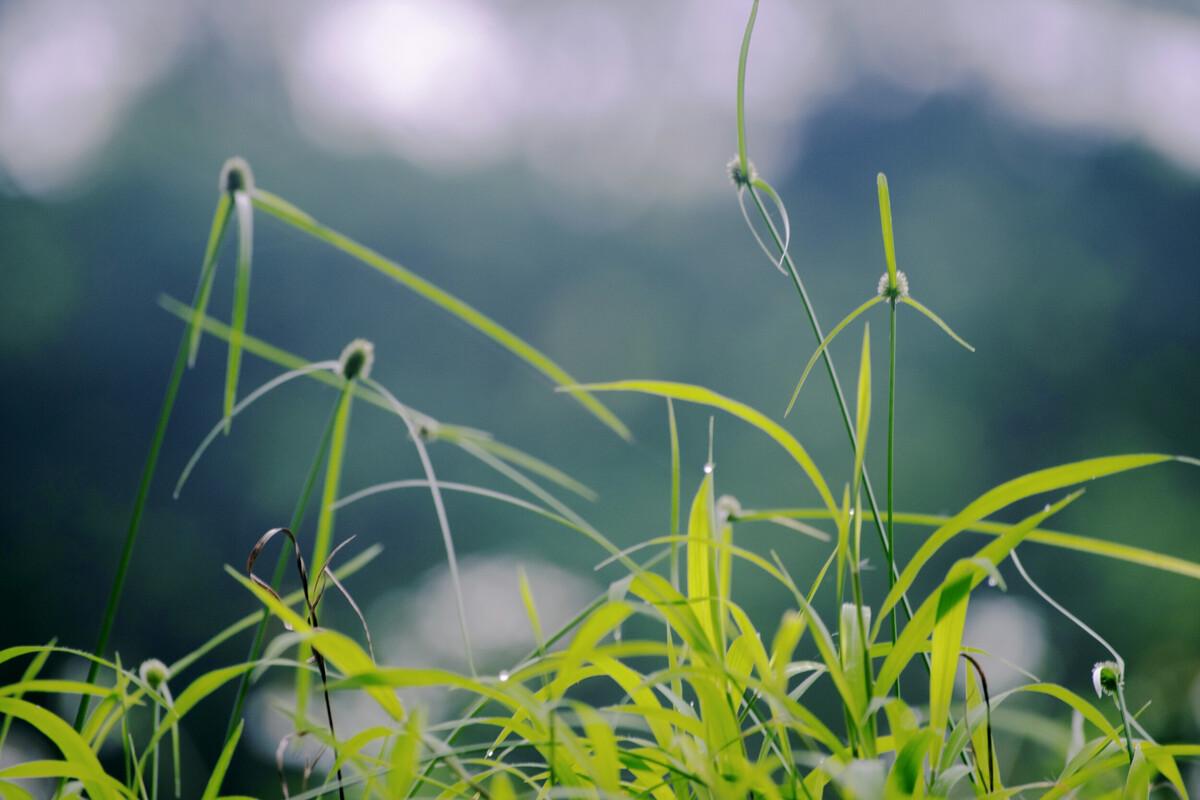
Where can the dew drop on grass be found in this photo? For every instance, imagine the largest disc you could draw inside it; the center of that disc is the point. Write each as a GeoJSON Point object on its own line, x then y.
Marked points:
{"type": "Point", "coordinates": [708, 468]}
{"type": "Point", "coordinates": [490, 753]}
{"type": "Point", "coordinates": [503, 676]}
{"type": "Point", "coordinates": [992, 580]}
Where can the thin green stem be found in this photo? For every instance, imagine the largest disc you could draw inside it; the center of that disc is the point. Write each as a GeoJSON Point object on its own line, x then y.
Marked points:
{"type": "Point", "coordinates": [837, 390]}
{"type": "Point", "coordinates": [891, 462]}
{"type": "Point", "coordinates": [1125, 723]}
{"type": "Point", "coordinates": [215, 237]}
{"type": "Point", "coordinates": [743, 56]}
{"type": "Point", "coordinates": [297, 520]}
{"type": "Point", "coordinates": [135, 521]}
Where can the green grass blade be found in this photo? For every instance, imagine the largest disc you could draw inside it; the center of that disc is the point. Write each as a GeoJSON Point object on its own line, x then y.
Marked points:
{"type": "Point", "coordinates": [862, 406]}
{"type": "Point", "coordinates": [950, 621]}
{"type": "Point", "coordinates": [1065, 541]}
{"type": "Point", "coordinates": [532, 464]}
{"type": "Point", "coordinates": [853, 315]}
{"type": "Point", "coordinates": [1006, 494]}
{"type": "Point", "coordinates": [241, 300]}
{"type": "Point", "coordinates": [707, 397]}
{"type": "Point", "coordinates": [915, 634]}
{"type": "Point", "coordinates": [468, 439]}
{"type": "Point", "coordinates": [936, 321]}
{"type": "Point", "coordinates": [700, 589]}
{"type": "Point", "coordinates": [297, 518]}
{"type": "Point", "coordinates": [330, 488]}
{"type": "Point", "coordinates": [743, 57]}
{"type": "Point", "coordinates": [135, 519]}
{"type": "Point", "coordinates": [486, 325]}
{"type": "Point", "coordinates": [213, 788]}
{"type": "Point", "coordinates": [31, 671]}
{"type": "Point", "coordinates": [342, 573]}
{"type": "Point", "coordinates": [673, 431]}
{"type": "Point", "coordinates": [74, 749]}
{"type": "Point", "coordinates": [208, 271]}
{"type": "Point", "coordinates": [885, 223]}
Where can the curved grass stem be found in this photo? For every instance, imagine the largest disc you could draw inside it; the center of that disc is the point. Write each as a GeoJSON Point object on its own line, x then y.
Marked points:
{"type": "Point", "coordinates": [837, 391]}
{"type": "Point", "coordinates": [297, 520]}
{"type": "Point", "coordinates": [891, 462]}
{"type": "Point", "coordinates": [135, 521]}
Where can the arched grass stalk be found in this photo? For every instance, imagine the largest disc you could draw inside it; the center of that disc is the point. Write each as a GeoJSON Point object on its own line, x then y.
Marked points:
{"type": "Point", "coordinates": [470, 440]}
{"type": "Point", "coordinates": [293, 216]}
{"type": "Point", "coordinates": [117, 587]}
{"type": "Point", "coordinates": [1114, 685]}
{"type": "Point", "coordinates": [440, 508]}
{"type": "Point", "coordinates": [748, 182]}
{"type": "Point", "coordinates": [242, 405]}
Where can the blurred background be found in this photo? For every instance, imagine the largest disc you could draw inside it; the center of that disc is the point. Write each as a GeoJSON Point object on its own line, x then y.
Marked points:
{"type": "Point", "coordinates": [561, 166]}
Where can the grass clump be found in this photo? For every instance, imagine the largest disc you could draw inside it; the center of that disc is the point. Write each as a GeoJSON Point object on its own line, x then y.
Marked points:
{"type": "Point", "coordinates": [699, 702]}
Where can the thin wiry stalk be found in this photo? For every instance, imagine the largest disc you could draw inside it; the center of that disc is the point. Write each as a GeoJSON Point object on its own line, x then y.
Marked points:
{"type": "Point", "coordinates": [215, 237]}
{"type": "Point", "coordinates": [135, 521]}
{"type": "Point", "coordinates": [242, 405]}
{"type": "Point", "coordinates": [891, 463]}
{"type": "Point", "coordinates": [837, 391]}
{"type": "Point", "coordinates": [297, 520]}
{"type": "Point", "coordinates": [440, 507]}
{"type": "Point", "coordinates": [1120, 701]}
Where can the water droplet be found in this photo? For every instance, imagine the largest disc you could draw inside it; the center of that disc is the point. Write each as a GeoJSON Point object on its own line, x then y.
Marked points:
{"type": "Point", "coordinates": [991, 580]}
{"type": "Point", "coordinates": [852, 512]}
{"type": "Point", "coordinates": [708, 468]}
{"type": "Point", "coordinates": [503, 675]}
{"type": "Point", "coordinates": [490, 753]}
{"type": "Point", "coordinates": [617, 633]}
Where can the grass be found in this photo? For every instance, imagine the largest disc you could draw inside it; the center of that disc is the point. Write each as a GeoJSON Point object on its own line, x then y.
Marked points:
{"type": "Point", "coordinates": [698, 702]}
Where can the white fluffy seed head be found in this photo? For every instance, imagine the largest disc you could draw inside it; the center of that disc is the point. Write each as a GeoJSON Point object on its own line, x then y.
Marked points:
{"type": "Point", "coordinates": [728, 506]}
{"type": "Point", "coordinates": [1107, 678]}
{"type": "Point", "coordinates": [739, 176]}
{"type": "Point", "coordinates": [884, 288]}
{"type": "Point", "coordinates": [236, 176]}
{"type": "Point", "coordinates": [357, 359]}
{"type": "Point", "coordinates": [153, 673]}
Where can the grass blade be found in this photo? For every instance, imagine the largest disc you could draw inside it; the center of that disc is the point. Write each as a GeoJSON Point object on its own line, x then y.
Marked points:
{"type": "Point", "coordinates": [936, 321]}
{"type": "Point", "coordinates": [885, 223]}
{"type": "Point", "coordinates": [707, 397]}
{"type": "Point", "coordinates": [213, 787]}
{"type": "Point", "coordinates": [743, 57]}
{"type": "Point", "coordinates": [1006, 494]}
{"type": "Point", "coordinates": [208, 270]}
{"type": "Point", "coordinates": [1065, 541]}
{"type": "Point", "coordinates": [484, 324]}
{"type": "Point", "coordinates": [821, 348]}
{"type": "Point", "coordinates": [241, 299]}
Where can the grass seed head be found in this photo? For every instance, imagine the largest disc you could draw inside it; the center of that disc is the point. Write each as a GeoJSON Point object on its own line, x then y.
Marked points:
{"type": "Point", "coordinates": [739, 176]}
{"type": "Point", "coordinates": [1107, 678]}
{"type": "Point", "coordinates": [236, 176]}
{"type": "Point", "coordinates": [357, 359]}
{"type": "Point", "coordinates": [884, 289]}
{"type": "Point", "coordinates": [153, 673]}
